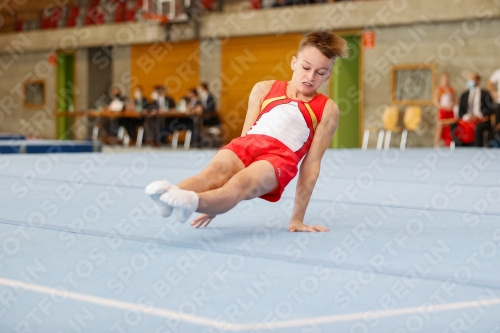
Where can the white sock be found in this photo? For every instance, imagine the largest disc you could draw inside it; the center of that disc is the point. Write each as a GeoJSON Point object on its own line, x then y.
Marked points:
{"type": "Point", "coordinates": [155, 190]}
{"type": "Point", "coordinates": [184, 202]}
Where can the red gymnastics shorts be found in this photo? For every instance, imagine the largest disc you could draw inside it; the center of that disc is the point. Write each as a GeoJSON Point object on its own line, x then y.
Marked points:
{"type": "Point", "coordinates": [445, 114]}
{"type": "Point", "coordinates": [255, 147]}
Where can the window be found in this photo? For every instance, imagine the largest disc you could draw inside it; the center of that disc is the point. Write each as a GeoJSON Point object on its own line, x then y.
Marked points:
{"type": "Point", "coordinates": [413, 84]}
{"type": "Point", "coordinates": [34, 94]}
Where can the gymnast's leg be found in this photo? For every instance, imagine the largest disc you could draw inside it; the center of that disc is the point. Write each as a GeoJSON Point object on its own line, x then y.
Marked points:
{"type": "Point", "coordinates": [254, 181]}
{"type": "Point", "coordinates": [223, 166]}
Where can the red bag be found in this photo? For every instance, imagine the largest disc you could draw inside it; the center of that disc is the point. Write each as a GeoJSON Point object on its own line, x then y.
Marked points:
{"type": "Point", "coordinates": [465, 132]}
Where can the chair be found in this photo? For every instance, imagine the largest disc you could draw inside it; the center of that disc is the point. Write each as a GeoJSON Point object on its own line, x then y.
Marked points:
{"type": "Point", "coordinates": [95, 14]}
{"type": "Point", "coordinates": [390, 118]}
{"type": "Point", "coordinates": [411, 121]}
{"type": "Point", "coordinates": [255, 4]}
{"type": "Point", "coordinates": [131, 8]}
{"type": "Point", "coordinates": [95, 133]}
{"type": "Point", "coordinates": [210, 130]}
{"type": "Point", "coordinates": [187, 139]}
{"type": "Point", "coordinates": [120, 11]}
{"type": "Point", "coordinates": [19, 25]}
{"type": "Point", "coordinates": [140, 136]}
{"type": "Point", "coordinates": [73, 14]}
{"type": "Point", "coordinates": [211, 136]}
{"type": "Point", "coordinates": [123, 136]}
{"type": "Point", "coordinates": [50, 17]}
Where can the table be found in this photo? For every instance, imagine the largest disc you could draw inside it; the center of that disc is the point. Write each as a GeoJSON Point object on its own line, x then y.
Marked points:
{"type": "Point", "coordinates": [112, 115]}
{"type": "Point", "coordinates": [137, 114]}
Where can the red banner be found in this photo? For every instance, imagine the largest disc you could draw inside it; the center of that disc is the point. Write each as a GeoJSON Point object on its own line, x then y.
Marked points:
{"type": "Point", "coordinates": [368, 39]}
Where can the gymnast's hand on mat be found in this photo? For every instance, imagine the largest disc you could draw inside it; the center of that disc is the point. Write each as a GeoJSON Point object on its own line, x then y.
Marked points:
{"type": "Point", "coordinates": [202, 220]}
{"type": "Point", "coordinates": [297, 225]}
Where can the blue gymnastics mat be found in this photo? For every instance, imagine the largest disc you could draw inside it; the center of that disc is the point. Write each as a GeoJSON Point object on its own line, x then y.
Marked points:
{"type": "Point", "coordinates": [48, 146]}
{"type": "Point", "coordinates": [11, 136]}
{"type": "Point", "coordinates": [413, 247]}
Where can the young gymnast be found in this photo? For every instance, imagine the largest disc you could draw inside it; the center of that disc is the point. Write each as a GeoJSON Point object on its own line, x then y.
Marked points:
{"type": "Point", "coordinates": [285, 121]}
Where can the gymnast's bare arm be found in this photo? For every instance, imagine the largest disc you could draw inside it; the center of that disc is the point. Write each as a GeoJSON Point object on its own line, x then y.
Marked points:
{"type": "Point", "coordinates": [309, 170]}
{"type": "Point", "coordinates": [259, 91]}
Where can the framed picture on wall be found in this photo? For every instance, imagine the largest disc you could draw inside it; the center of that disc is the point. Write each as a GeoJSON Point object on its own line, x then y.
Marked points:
{"type": "Point", "coordinates": [413, 84]}
{"type": "Point", "coordinates": [34, 94]}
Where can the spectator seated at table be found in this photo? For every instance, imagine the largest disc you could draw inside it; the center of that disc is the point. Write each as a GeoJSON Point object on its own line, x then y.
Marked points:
{"type": "Point", "coordinates": [193, 107]}
{"type": "Point", "coordinates": [117, 100]}
{"type": "Point", "coordinates": [139, 104]}
{"type": "Point", "coordinates": [116, 104]}
{"type": "Point", "coordinates": [210, 132]}
{"type": "Point", "coordinates": [161, 101]}
{"type": "Point", "coordinates": [475, 108]}
{"type": "Point", "coordinates": [210, 116]}
{"type": "Point", "coordinates": [153, 126]}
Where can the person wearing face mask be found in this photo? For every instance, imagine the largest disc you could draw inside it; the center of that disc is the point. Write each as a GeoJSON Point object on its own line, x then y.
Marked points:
{"type": "Point", "coordinates": [206, 98]}
{"type": "Point", "coordinates": [150, 127]}
{"type": "Point", "coordinates": [116, 104]}
{"type": "Point", "coordinates": [141, 103]}
{"type": "Point", "coordinates": [194, 105]}
{"type": "Point", "coordinates": [116, 95]}
{"type": "Point", "coordinates": [210, 116]}
{"type": "Point", "coordinates": [193, 109]}
{"type": "Point", "coordinates": [154, 126]}
{"type": "Point", "coordinates": [117, 100]}
{"type": "Point", "coordinates": [155, 95]}
{"type": "Point", "coordinates": [474, 109]}
{"type": "Point", "coordinates": [161, 100]}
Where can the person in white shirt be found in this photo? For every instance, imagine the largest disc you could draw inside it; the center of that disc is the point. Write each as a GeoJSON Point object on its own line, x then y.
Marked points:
{"type": "Point", "coordinates": [494, 85]}
{"type": "Point", "coordinates": [494, 89]}
{"type": "Point", "coordinates": [476, 106]}
{"type": "Point", "coordinates": [116, 104]}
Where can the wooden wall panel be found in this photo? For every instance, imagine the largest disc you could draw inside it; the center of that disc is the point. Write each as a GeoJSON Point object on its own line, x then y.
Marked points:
{"type": "Point", "coordinates": [246, 61]}
{"type": "Point", "coordinates": [28, 16]}
{"type": "Point", "coordinates": [174, 65]}
{"type": "Point", "coordinates": [7, 28]}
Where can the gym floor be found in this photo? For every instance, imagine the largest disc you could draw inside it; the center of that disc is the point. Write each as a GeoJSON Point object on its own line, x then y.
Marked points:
{"type": "Point", "coordinates": [413, 247]}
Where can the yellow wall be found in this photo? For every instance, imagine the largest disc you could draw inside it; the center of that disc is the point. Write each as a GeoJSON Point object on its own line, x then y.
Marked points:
{"type": "Point", "coordinates": [173, 65]}
{"type": "Point", "coordinates": [246, 61]}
